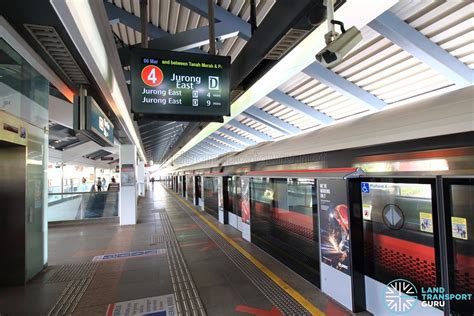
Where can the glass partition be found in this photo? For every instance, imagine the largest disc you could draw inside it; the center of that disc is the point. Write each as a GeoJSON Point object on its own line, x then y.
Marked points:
{"type": "Point", "coordinates": [234, 195]}
{"type": "Point", "coordinates": [190, 188]}
{"type": "Point", "coordinates": [55, 175]}
{"type": "Point", "coordinates": [79, 206]}
{"type": "Point", "coordinates": [24, 93]}
{"type": "Point", "coordinates": [399, 225]}
{"type": "Point", "coordinates": [459, 199]}
{"type": "Point", "coordinates": [284, 222]}
{"type": "Point", "coordinates": [211, 196]}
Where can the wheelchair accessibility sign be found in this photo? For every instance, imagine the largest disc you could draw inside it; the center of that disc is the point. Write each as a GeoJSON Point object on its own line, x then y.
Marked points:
{"type": "Point", "coordinates": [365, 187]}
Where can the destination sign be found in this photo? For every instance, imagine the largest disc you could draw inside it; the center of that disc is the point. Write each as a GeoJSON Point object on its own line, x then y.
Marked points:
{"type": "Point", "coordinates": [179, 84]}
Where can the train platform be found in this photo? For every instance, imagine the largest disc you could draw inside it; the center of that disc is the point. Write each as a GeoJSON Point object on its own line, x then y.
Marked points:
{"type": "Point", "coordinates": [175, 261]}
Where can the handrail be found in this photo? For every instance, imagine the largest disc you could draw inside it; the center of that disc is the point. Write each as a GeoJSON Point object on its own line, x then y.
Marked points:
{"type": "Point", "coordinates": [90, 192]}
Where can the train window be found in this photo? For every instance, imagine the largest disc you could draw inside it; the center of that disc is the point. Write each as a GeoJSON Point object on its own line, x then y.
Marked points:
{"type": "Point", "coordinates": [461, 205]}
{"type": "Point", "coordinates": [211, 196]}
{"type": "Point", "coordinates": [398, 232]}
{"type": "Point", "coordinates": [284, 222]}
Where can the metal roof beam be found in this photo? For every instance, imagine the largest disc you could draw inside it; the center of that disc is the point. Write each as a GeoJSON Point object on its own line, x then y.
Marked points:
{"type": "Point", "coordinates": [162, 134]}
{"type": "Point", "coordinates": [209, 150]}
{"type": "Point", "coordinates": [270, 120]}
{"type": "Point", "coordinates": [168, 140]}
{"type": "Point", "coordinates": [184, 41]}
{"type": "Point", "coordinates": [205, 152]}
{"type": "Point", "coordinates": [159, 134]}
{"type": "Point", "coordinates": [419, 46]}
{"type": "Point", "coordinates": [117, 14]}
{"type": "Point", "coordinates": [220, 146]}
{"type": "Point", "coordinates": [192, 38]}
{"type": "Point", "coordinates": [229, 26]}
{"type": "Point", "coordinates": [343, 86]}
{"type": "Point", "coordinates": [237, 136]}
{"type": "Point", "coordinates": [299, 106]}
{"type": "Point", "coordinates": [160, 128]}
{"type": "Point", "coordinates": [155, 146]}
{"type": "Point", "coordinates": [244, 29]}
{"type": "Point", "coordinates": [250, 130]}
{"type": "Point", "coordinates": [228, 142]}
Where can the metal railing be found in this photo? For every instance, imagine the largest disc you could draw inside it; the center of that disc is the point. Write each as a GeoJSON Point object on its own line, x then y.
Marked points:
{"type": "Point", "coordinates": [82, 205]}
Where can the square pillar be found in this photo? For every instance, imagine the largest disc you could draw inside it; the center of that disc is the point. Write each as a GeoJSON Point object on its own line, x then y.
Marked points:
{"type": "Point", "coordinates": [128, 185]}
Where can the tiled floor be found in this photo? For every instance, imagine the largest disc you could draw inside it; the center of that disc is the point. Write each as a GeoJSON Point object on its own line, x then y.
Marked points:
{"type": "Point", "coordinates": [222, 288]}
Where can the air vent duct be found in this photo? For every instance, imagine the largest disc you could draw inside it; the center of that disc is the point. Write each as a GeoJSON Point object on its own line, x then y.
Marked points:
{"type": "Point", "coordinates": [286, 43]}
{"type": "Point", "coordinates": [54, 46]}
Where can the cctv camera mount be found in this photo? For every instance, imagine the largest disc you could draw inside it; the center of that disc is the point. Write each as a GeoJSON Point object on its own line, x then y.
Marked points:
{"type": "Point", "coordinates": [337, 45]}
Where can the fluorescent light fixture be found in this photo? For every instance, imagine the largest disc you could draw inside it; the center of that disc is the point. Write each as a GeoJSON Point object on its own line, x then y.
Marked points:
{"type": "Point", "coordinates": [79, 19]}
{"type": "Point", "coordinates": [356, 13]}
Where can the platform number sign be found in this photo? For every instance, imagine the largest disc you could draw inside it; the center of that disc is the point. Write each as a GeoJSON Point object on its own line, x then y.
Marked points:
{"type": "Point", "coordinates": [152, 76]}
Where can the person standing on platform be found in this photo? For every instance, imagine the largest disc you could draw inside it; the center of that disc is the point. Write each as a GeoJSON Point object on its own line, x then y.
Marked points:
{"type": "Point", "coordinates": [83, 187]}
{"type": "Point", "coordinates": [104, 183]}
{"type": "Point", "coordinates": [113, 185]}
{"type": "Point", "coordinates": [99, 185]}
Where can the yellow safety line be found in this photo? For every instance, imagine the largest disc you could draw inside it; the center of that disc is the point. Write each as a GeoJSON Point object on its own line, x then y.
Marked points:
{"type": "Point", "coordinates": [287, 288]}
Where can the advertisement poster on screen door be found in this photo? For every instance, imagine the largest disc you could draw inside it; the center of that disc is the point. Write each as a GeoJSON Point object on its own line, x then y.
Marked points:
{"type": "Point", "coordinates": [334, 224]}
{"type": "Point", "coordinates": [245, 202]}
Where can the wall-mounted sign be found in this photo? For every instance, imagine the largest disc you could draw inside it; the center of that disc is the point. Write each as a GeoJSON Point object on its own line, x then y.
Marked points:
{"type": "Point", "coordinates": [92, 122]}
{"type": "Point", "coordinates": [178, 85]}
{"type": "Point", "coordinates": [127, 175]}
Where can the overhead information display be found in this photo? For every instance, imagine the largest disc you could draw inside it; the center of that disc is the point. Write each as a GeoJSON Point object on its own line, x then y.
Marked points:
{"type": "Point", "coordinates": [89, 119]}
{"type": "Point", "coordinates": [176, 84]}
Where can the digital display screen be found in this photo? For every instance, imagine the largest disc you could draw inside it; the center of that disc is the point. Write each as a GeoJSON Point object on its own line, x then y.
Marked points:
{"type": "Point", "coordinates": [179, 84]}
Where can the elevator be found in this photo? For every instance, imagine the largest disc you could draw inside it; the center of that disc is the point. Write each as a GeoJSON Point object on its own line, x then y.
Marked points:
{"type": "Point", "coordinates": [22, 200]}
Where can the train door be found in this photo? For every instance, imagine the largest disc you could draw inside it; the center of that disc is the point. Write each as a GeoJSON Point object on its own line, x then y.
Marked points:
{"type": "Point", "coordinates": [399, 241]}
{"type": "Point", "coordinates": [237, 200]}
{"type": "Point", "coordinates": [180, 185]}
{"type": "Point", "coordinates": [190, 189]}
{"type": "Point", "coordinates": [224, 204]}
{"type": "Point", "coordinates": [230, 185]}
{"type": "Point", "coordinates": [198, 191]}
{"type": "Point", "coordinates": [459, 219]}
{"type": "Point", "coordinates": [211, 196]}
{"type": "Point", "coordinates": [184, 187]}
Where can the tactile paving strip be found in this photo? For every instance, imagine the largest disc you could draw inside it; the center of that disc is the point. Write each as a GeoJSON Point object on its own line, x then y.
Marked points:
{"type": "Point", "coordinates": [274, 293]}
{"type": "Point", "coordinates": [78, 276]}
{"type": "Point", "coordinates": [187, 298]}
{"type": "Point", "coordinates": [75, 271]}
{"type": "Point", "coordinates": [157, 239]}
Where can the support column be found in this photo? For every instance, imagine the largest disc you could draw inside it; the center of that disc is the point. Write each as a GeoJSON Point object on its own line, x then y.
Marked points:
{"type": "Point", "coordinates": [128, 185]}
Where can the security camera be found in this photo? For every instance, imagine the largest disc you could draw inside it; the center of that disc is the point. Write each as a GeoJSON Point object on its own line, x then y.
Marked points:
{"type": "Point", "coordinates": [339, 47]}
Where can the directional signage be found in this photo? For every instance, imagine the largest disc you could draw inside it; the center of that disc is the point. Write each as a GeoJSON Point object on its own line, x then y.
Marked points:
{"type": "Point", "coordinates": [99, 122]}
{"type": "Point", "coordinates": [179, 85]}
{"type": "Point", "coordinates": [91, 121]}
